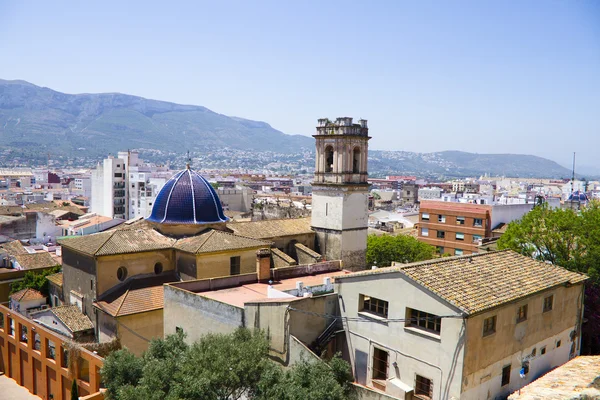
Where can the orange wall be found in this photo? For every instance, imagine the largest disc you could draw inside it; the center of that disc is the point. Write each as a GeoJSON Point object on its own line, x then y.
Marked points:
{"type": "Point", "coordinates": [32, 368]}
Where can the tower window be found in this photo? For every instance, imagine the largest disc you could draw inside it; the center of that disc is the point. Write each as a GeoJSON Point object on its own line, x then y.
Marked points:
{"type": "Point", "coordinates": [329, 159]}
{"type": "Point", "coordinates": [356, 161]}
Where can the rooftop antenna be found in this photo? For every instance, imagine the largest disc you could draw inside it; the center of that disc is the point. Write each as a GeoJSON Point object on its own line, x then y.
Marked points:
{"type": "Point", "coordinates": [573, 178]}
{"type": "Point", "coordinates": [189, 160]}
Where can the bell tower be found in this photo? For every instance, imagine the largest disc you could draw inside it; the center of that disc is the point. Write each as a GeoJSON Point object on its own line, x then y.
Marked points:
{"type": "Point", "coordinates": [341, 191]}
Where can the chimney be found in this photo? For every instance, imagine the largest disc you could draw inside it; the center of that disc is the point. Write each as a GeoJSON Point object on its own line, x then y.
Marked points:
{"type": "Point", "coordinates": [263, 265]}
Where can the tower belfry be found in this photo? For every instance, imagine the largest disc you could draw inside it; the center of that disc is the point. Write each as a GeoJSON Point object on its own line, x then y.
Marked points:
{"type": "Point", "coordinates": [341, 190]}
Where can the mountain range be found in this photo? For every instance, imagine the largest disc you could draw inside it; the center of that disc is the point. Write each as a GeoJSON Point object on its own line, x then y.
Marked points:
{"type": "Point", "coordinates": [37, 120]}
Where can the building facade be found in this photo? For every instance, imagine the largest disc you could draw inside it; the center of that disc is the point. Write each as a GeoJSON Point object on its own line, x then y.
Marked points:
{"type": "Point", "coordinates": [340, 190]}
{"type": "Point", "coordinates": [462, 327]}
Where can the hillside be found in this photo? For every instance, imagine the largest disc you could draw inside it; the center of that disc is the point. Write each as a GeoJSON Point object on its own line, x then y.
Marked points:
{"type": "Point", "coordinates": [32, 117]}
{"type": "Point", "coordinates": [82, 128]}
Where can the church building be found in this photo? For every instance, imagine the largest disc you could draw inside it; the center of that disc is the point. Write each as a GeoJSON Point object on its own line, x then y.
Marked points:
{"type": "Point", "coordinates": [116, 277]}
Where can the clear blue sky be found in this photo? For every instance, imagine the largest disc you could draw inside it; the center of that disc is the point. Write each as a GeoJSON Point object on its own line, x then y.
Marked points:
{"type": "Point", "coordinates": [481, 76]}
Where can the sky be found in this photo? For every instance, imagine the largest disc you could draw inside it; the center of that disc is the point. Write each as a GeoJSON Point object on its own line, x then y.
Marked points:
{"type": "Point", "coordinates": [479, 76]}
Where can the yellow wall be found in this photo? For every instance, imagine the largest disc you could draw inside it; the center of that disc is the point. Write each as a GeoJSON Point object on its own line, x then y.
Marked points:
{"type": "Point", "coordinates": [218, 264]}
{"type": "Point", "coordinates": [148, 324]}
{"type": "Point", "coordinates": [136, 264]}
{"type": "Point", "coordinates": [511, 337]}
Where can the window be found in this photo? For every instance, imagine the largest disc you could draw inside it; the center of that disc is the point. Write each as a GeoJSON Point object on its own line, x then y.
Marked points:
{"type": "Point", "coordinates": [64, 361]}
{"type": "Point", "coordinates": [424, 231]}
{"type": "Point", "coordinates": [1, 320]}
{"type": "Point", "coordinates": [37, 341]}
{"type": "Point", "coordinates": [543, 350]}
{"type": "Point", "coordinates": [533, 352]}
{"type": "Point", "coordinates": [548, 303]}
{"type": "Point", "coordinates": [380, 364]}
{"type": "Point", "coordinates": [558, 343]}
{"type": "Point", "coordinates": [477, 222]}
{"type": "Point", "coordinates": [505, 375]}
{"type": "Point", "coordinates": [122, 274]}
{"type": "Point", "coordinates": [460, 220]}
{"type": "Point", "coordinates": [442, 219]}
{"type": "Point", "coordinates": [522, 313]}
{"type": "Point", "coordinates": [356, 161]}
{"type": "Point", "coordinates": [50, 349]}
{"type": "Point", "coordinates": [118, 165]}
{"type": "Point", "coordinates": [489, 325]}
{"type": "Point", "coordinates": [11, 326]}
{"type": "Point", "coordinates": [425, 321]}
{"type": "Point", "coordinates": [118, 175]}
{"type": "Point", "coordinates": [329, 159]}
{"type": "Point", "coordinates": [460, 236]}
{"type": "Point", "coordinates": [423, 387]}
{"type": "Point", "coordinates": [425, 217]}
{"type": "Point", "coordinates": [441, 234]}
{"type": "Point", "coordinates": [374, 306]}
{"type": "Point", "coordinates": [458, 252]}
{"type": "Point", "coordinates": [477, 238]}
{"type": "Point", "coordinates": [234, 265]}
{"type": "Point", "coordinates": [524, 368]}
{"type": "Point", "coordinates": [158, 268]}
{"type": "Point", "coordinates": [23, 336]}
{"type": "Point", "coordinates": [439, 249]}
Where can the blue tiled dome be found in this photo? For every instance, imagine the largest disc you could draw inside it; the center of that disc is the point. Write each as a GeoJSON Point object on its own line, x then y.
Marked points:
{"type": "Point", "coordinates": [578, 196]}
{"type": "Point", "coordinates": [187, 198]}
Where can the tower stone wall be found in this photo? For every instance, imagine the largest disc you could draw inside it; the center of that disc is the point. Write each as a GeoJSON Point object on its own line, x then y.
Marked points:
{"type": "Point", "coordinates": [340, 191]}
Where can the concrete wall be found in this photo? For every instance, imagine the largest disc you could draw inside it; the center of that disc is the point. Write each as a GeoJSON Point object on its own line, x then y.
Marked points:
{"type": "Point", "coordinates": [211, 265]}
{"type": "Point", "coordinates": [280, 259]}
{"type": "Point", "coordinates": [136, 264]}
{"type": "Point", "coordinates": [148, 325]}
{"type": "Point", "coordinates": [186, 265]}
{"type": "Point", "coordinates": [508, 213]}
{"type": "Point", "coordinates": [438, 358]}
{"type": "Point", "coordinates": [366, 393]}
{"type": "Point", "coordinates": [198, 315]}
{"type": "Point", "coordinates": [22, 228]}
{"type": "Point", "coordinates": [299, 352]}
{"type": "Point", "coordinates": [235, 199]}
{"type": "Point", "coordinates": [305, 255]}
{"type": "Point", "coordinates": [486, 356]}
{"type": "Point", "coordinates": [79, 274]}
{"type": "Point", "coordinates": [46, 228]}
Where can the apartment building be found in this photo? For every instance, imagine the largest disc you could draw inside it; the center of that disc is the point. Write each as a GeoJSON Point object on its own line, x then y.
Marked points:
{"type": "Point", "coordinates": [458, 228]}
{"type": "Point", "coordinates": [470, 327]}
{"type": "Point", "coordinates": [125, 187]}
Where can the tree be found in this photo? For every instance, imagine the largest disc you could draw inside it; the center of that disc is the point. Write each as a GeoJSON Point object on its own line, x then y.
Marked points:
{"type": "Point", "coordinates": [568, 239]}
{"type": "Point", "coordinates": [35, 280]}
{"type": "Point", "coordinates": [74, 390]}
{"type": "Point", "coordinates": [219, 367]}
{"type": "Point", "coordinates": [405, 249]}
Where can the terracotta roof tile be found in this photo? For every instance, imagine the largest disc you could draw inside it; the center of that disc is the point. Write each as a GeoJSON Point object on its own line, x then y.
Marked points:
{"type": "Point", "coordinates": [35, 260]}
{"type": "Point", "coordinates": [13, 248]}
{"type": "Point", "coordinates": [478, 282]}
{"type": "Point", "coordinates": [135, 296]}
{"type": "Point", "coordinates": [118, 241]}
{"type": "Point", "coordinates": [215, 240]}
{"type": "Point", "coordinates": [57, 279]}
{"type": "Point", "coordinates": [272, 228]}
{"type": "Point", "coordinates": [73, 318]}
{"type": "Point", "coordinates": [27, 294]}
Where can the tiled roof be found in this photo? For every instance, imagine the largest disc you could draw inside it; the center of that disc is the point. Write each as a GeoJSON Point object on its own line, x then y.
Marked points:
{"type": "Point", "coordinates": [478, 282]}
{"type": "Point", "coordinates": [577, 379]}
{"type": "Point", "coordinates": [135, 296]}
{"type": "Point", "coordinates": [215, 240]}
{"type": "Point", "coordinates": [272, 228]}
{"type": "Point", "coordinates": [57, 279]}
{"type": "Point", "coordinates": [36, 260]}
{"type": "Point", "coordinates": [40, 207]}
{"type": "Point", "coordinates": [118, 241]}
{"type": "Point", "coordinates": [27, 294]}
{"type": "Point", "coordinates": [73, 318]}
{"type": "Point", "coordinates": [13, 248]}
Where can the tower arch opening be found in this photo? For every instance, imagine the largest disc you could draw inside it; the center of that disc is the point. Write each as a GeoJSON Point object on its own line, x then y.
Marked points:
{"type": "Point", "coordinates": [329, 159]}
{"type": "Point", "coordinates": [356, 160]}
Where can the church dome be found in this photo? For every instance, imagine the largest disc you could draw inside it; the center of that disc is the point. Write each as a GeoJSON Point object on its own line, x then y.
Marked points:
{"type": "Point", "coordinates": [187, 198]}
{"type": "Point", "coordinates": [578, 196]}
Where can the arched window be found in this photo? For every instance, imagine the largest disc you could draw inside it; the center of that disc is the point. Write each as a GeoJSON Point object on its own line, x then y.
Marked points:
{"type": "Point", "coordinates": [356, 161]}
{"type": "Point", "coordinates": [329, 159]}
{"type": "Point", "coordinates": [158, 268]}
{"type": "Point", "coordinates": [122, 273]}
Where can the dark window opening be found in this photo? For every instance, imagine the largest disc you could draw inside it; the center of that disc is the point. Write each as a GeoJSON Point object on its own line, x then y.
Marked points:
{"type": "Point", "coordinates": [234, 265]}
{"type": "Point", "coordinates": [441, 234]}
{"type": "Point", "coordinates": [328, 159]}
{"type": "Point", "coordinates": [505, 375]}
{"type": "Point", "coordinates": [122, 273]}
{"type": "Point", "coordinates": [425, 321]}
{"type": "Point", "coordinates": [522, 313]}
{"type": "Point", "coordinates": [489, 325]}
{"type": "Point", "coordinates": [423, 387]}
{"type": "Point", "coordinates": [356, 161]}
{"type": "Point", "coordinates": [375, 306]}
{"type": "Point", "coordinates": [380, 363]}
{"type": "Point", "coordinates": [548, 303]}
{"type": "Point", "coordinates": [158, 268]}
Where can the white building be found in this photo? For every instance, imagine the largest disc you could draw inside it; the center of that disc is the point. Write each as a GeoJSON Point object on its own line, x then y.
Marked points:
{"type": "Point", "coordinates": [125, 187]}
{"type": "Point", "coordinates": [461, 327]}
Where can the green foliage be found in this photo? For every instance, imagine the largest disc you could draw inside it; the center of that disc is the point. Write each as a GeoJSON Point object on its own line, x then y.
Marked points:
{"type": "Point", "coordinates": [35, 280]}
{"type": "Point", "coordinates": [215, 185]}
{"type": "Point", "coordinates": [571, 240]}
{"type": "Point", "coordinates": [405, 249]}
{"type": "Point", "coordinates": [559, 236]}
{"type": "Point", "coordinates": [219, 367]}
{"type": "Point", "coordinates": [74, 390]}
